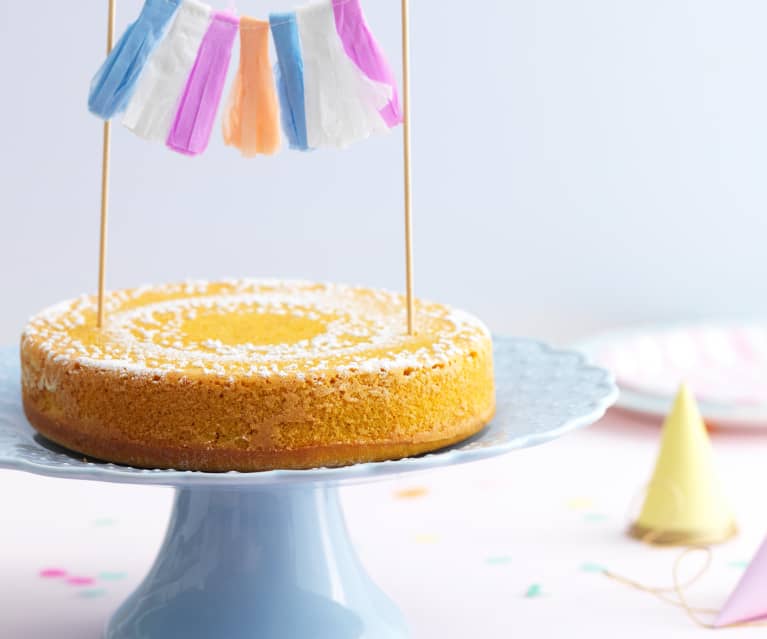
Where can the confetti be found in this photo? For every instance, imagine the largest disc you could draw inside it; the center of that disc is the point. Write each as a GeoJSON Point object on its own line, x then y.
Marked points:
{"type": "Point", "coordinates": [53, 573]}
{"type": "Point", "coordinates": [112, 576]}
{"type": "Point", "coordinates": [580, 503]}
{"type": "Point", "coordinates": [592, 567]}
{"type": "Point", "coordinates": [426, 539]}
{"type": "Point", "coordinates": [534, 591]}
{"type": "Point", "coordinates": [92, 593]}
{"type": "Point", "coordinates": [104, 522]}
{"type": "Point", "coordinates": [411, 493]}
{"type": "Point", "coordinates": [594, 518]}
{"type": "Point", "coordinates": [81, 581]}
{"type": "Point", "coordinates": [500, 560]}
{"type": "Point", "coordinates": [739, 565]}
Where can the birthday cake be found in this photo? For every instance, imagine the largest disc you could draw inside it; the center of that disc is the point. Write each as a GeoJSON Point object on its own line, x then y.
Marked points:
{"type": "Point", "coordinates": [251, 375]}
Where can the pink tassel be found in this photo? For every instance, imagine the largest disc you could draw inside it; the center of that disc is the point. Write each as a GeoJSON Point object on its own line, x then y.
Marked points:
{"type": "Point", "coordinates": [199, 104]}
{"type": "Point", "coordinates": [362, 47]}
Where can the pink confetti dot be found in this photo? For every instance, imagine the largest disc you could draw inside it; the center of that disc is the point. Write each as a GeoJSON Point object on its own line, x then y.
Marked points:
{"type": "Point", "coordinates": [53, 573]}
{"type": "Point", "coordinates": [81, 581]}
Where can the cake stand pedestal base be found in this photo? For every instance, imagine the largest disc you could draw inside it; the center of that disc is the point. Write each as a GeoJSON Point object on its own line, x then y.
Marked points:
{"type": "Point", "coordinates": [267, 555]}
{"type": "Point", "coordinates": [272, 562]}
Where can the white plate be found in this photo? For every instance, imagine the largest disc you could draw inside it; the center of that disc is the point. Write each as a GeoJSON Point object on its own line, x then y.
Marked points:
{"type": "Point", "coordinates": [724, 363]}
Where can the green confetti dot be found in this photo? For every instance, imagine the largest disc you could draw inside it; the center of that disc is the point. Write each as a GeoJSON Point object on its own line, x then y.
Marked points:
{"type": "Point", "coordinates": [92, 593]}
{"type": "Point", "coordinates": [112, 576]}
{"type": "Point", "coordinates": [534, 591]}
{"type": "Point", "coordinates": [740, 565]}
{"type": "Point", "coordinates": [500, 560]}
{"type": "Point", "coordinates": [592, 567]}
{"type": "Point", "coordinates": [595, 518]}
{"type": "Point", "coordinates": [104, 522]}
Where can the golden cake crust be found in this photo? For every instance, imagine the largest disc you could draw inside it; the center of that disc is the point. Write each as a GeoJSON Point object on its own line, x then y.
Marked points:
{"type": "Point", "coordinates": [250, 375]}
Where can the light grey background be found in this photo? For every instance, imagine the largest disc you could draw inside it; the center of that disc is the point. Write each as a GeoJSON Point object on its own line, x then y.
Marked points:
{"type": "Point", "coordinates": [578, 165]}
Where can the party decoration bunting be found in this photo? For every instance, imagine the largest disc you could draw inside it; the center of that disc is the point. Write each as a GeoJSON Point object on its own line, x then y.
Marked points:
{"type": "Point", "coordinates": [685, 504]}
{"type": "Point", "coordinates": [361, 46]}
{"type": "Point", "coordinates": [331, 86]}
{"type": "Point", "coordinates": [250, 126]}
{"type": "Point", "coordinates": [342, 104]}
{"type": "Point", "coordinates": [114, 83]}
{"type": "Point", "coordinates": [158, 92]}
{"type": "Point", "coordinates": [252, 120]}
{"type": "Point", "coordinates": [749, 600]}
{"type": "Point", "coordinates": [200, 100]}
{"type": "Point", "coordinates": [289, 74]}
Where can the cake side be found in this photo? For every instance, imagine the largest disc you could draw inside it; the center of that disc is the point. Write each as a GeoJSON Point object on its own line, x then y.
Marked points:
{"type": "Point", "coordinates": [332, 382]}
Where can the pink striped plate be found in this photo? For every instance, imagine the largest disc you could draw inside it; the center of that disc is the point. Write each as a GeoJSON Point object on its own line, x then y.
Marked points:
{"type": "Point", "coordinates": [724, 364]}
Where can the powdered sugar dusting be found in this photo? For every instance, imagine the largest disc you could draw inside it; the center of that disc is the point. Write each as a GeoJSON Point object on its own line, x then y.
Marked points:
{"type": "Point", "coordinates": [254, 328]}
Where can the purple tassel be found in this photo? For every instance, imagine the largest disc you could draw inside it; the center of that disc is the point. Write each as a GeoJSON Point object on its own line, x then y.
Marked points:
{"type": "Point", "coordinates": [197, 110]}
{"type": "Point", "coordinates": [361, 46]}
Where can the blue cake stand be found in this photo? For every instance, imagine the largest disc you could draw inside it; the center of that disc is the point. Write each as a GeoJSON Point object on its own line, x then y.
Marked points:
{"type": "Point", "coordinates": [267, 555]}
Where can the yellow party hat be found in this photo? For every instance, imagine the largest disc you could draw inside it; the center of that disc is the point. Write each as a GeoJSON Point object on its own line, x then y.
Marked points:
{"type": "Point", "coordinates": [685, 504]}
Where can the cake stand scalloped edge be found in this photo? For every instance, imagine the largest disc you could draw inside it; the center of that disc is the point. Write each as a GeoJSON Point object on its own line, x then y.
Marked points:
{"type": "Point", "coordinates": [268, 554]}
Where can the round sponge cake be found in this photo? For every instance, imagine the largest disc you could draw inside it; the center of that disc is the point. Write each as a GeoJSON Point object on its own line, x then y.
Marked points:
{"type": "Point", "coordinates": [255, 375]}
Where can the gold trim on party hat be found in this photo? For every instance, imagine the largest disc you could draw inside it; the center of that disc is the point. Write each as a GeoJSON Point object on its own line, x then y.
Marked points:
{"type": "Point", "coordinates": [685, 504]}
{"type": "Point", "coordinates": [683, 537]}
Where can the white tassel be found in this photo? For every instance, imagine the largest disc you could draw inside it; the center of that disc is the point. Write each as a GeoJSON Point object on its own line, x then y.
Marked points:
{"type": "Point", "coordinates": [342, 104]}
{"type": "Point", "coordinates": [154, 104]}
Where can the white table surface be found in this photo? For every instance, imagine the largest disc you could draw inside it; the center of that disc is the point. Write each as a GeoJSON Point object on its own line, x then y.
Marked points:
{"type": "Point", "coordinates": [459, 559]}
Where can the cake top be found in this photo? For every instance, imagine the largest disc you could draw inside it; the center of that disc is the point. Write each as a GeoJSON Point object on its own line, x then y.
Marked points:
{"type": "Point", "coordinates": [251, 328]}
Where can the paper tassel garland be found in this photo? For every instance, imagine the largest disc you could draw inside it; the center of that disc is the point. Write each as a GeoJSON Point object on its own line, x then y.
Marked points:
{"type": "Point", "coordinates": [749, 601]}
{"type": "Point", "coordinates": [361, 46]}
{"type": "Point", "coordinates": [289, 73]}
{"type": "Point", "coordinates": [331, 85]}
{"type": "Point", "coordinates": [342, 104]}
{"type": "Point", "coordinates": [685, 504]}
{"type": "Point", "coordinates": [252, 120]}
{"type": "Point", "coordinates": [155, 101]}
{"type": "Point", "coordinates": [200, 100]}
{"type": "Point", "coordinates": [114, 83]}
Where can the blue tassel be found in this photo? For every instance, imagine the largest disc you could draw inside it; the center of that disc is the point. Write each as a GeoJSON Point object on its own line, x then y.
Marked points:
{"type": "Point", "coordinates": [115, 81]}
{"type": "Point", "coordinates": [289, 73]}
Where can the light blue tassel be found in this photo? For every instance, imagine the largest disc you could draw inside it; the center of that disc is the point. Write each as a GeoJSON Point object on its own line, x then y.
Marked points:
{"type": "Point", "coordinates": [289, 73]}
{"type": "Point", "coordinates": [113, 85]}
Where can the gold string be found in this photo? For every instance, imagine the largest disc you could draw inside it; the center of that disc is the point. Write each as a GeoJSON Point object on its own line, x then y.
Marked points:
{"type": "Point", "coordinates": [679, 587]}
{"type": "Point", "coordinates": [662, 592]}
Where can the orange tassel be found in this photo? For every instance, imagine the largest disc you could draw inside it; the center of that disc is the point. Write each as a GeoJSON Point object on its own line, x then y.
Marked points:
{"type": "Point", "coordinates": [252, 120]}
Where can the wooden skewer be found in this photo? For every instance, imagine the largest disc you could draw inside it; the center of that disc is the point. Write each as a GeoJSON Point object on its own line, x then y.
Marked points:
{"type": "Point", "coordinates": [407, 163]}
{"type": "Point", "coordinates": [105, 181]}
{"type": "Point", "coordinates": [407, 176]}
